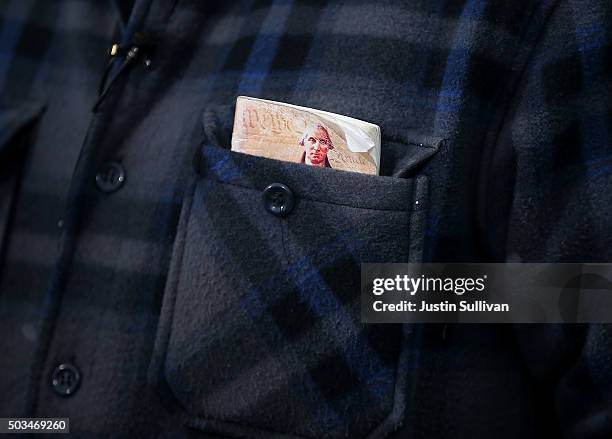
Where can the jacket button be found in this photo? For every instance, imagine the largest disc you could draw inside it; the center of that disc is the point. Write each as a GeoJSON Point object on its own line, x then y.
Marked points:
{"type": "Point", "coordinates": [65, 379]}
{"type": "Point", "coordinates": [278, 199]}
{"type": "Point", "coordinates": [111, 177]}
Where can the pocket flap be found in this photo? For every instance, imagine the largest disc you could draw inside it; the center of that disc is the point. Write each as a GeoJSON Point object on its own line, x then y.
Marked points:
{"type": "Point", "coordinates": [315, 184]}
{"type": "Point", "coordinates": [14, 119]}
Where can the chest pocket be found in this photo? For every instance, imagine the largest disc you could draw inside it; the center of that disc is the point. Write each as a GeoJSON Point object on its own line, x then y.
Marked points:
{"type": "Point", "coordinates": [260, 332]}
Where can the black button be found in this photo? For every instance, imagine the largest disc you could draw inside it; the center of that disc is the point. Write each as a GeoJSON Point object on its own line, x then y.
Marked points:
{"type": "Point", "coordinates": [278, 199]}
{"type": "Point", "coordinates": [65, 379]}
{"type": "Point", "coordinates": [111, 177]}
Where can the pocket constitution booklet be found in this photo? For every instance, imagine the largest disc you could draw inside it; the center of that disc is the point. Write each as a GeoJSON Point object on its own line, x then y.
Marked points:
{"type": "Point", "coordinates": [304, 135]}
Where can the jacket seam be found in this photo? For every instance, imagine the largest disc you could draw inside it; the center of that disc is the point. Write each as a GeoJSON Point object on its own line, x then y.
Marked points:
{"type": "Point", "coordinates": [492, 134]}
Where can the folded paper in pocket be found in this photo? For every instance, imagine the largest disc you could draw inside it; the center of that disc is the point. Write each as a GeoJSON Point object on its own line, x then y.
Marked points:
{"type": "Point", "coordinates": [304, 135]}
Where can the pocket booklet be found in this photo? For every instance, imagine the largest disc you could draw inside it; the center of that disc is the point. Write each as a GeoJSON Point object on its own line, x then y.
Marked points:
{"type": "Point", "coordinates": [304, 135]}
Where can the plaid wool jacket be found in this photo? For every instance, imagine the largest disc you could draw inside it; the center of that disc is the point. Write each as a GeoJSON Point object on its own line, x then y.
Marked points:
{"type": "Point", "coordinates": [145, 291]}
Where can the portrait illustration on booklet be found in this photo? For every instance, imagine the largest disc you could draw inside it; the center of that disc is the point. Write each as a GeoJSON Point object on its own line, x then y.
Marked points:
{"type": "Point", "coordinates": [303, 135]}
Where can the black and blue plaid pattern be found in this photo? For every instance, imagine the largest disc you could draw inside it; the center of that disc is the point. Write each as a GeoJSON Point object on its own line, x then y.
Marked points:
{"type": "Point", "coordinates": [516, 96]}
